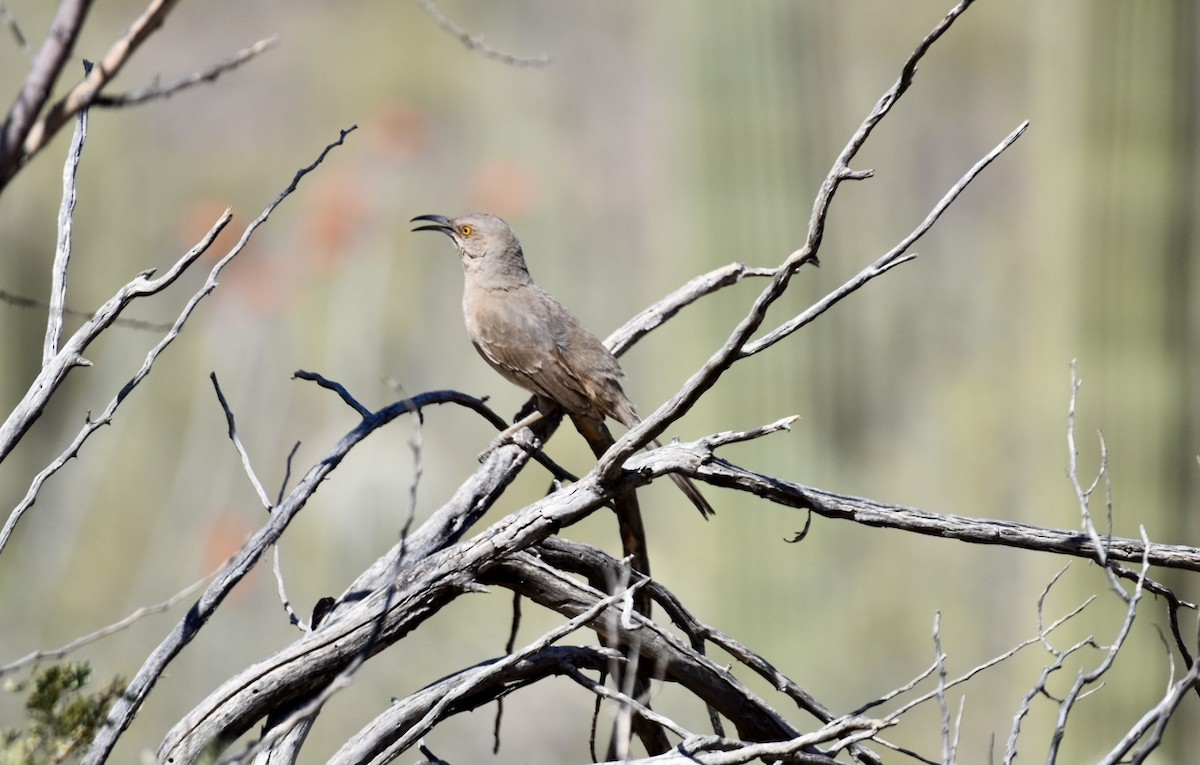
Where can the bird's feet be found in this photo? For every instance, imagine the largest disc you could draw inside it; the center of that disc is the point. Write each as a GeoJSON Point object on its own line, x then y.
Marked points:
{"type": "Point", "coordinates": [521, 436]}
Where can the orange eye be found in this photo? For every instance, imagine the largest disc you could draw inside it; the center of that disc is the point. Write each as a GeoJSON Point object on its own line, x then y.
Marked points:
{"type": "Point", "coordinates": [466, 229]}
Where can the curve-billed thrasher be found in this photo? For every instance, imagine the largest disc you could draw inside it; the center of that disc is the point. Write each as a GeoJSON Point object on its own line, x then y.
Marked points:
{"type": "Point", "coordinates": [530, 338]}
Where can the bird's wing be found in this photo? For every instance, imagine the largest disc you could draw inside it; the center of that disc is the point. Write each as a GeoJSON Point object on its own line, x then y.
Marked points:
{"type": "Point", "coordinates": [535, 346]}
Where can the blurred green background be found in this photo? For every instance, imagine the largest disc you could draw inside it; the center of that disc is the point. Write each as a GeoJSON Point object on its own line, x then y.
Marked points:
{"type": "Point", "coordinates": [662, 141]}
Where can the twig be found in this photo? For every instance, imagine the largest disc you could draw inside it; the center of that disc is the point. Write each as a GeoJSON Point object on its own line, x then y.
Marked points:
{"type": "Point", "coordinates": [231, 431]}
{"type": "Point", "coordinates": [336, 387]}
{"type": "Point", "coordinates": [892, 258]}
{"type": "Point", "coordinates": [1154, 722]}
{"type": "Point", "coordinates": [509, 645]}
{"type": "Point", "coordinates": [871, 512]}
{"type": "Point", "coordinates": [248, 469]}
{"type": "Point", "coordinates": [106, 68]}
{"type": "Point", "coordinates": [1083, 495]}
{"type": "Point", "coordinates": [209, 74]}
{"type": "Point", "coordinates": [1060, 657]}
{"type": "Point", "coordinates": [47, 64]}
{"type": "Point", "coordinates": [475, 42]}
{"type": "Point", "coordinates": [62, 250]}
{"type": "Point", "coordinates": [940, 661]}
{"type": "Point", "coordinates": [103, 632]}
{"type": "Point", "coordinates": [628, 702]}
{"type": "Point", "coordinates": [727, 437]}
{"type": "Point", "coordinates": [287, 472]}
{"type": "Point", "coordinates": [15, 29]}
{"type": "Point", "coordinates": [1085, 679]}
{"type": "Point", "coordinates": [430, 398]}
{"type": "Point", "coordinates": [25, 302]}
{"type": "Point", "coordinates": [667, 307]}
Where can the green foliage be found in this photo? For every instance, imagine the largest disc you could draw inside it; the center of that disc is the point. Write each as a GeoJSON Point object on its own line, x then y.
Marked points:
{"type": "Point", "coordinates": [61, 716]}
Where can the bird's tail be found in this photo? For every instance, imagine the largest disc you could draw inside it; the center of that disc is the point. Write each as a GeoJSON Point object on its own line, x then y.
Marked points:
{"type": "Point", "coordinates": [627, 415]}
{"type": "Point", "coordinates": [690, 490]}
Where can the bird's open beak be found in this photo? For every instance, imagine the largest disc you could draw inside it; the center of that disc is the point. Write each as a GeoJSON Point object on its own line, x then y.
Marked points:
{"type": "Point", "coordinates": [440, 223]}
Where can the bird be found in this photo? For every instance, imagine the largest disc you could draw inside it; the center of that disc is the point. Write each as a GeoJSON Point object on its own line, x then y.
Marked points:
{"type": "Point", "coordinates": [531, 338]}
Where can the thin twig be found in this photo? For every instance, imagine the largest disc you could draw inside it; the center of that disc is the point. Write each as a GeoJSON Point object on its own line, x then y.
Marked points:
{"type": "Point", "coordinates": [727, 437]}
{"type": "Point", "coordinates": [287, 472]}
{"type": "Point", "coordinates": [209, 74]}
{"type": "Point", "coordinates": [940, 690]}
{"type": "Point", "coordinates": [15, 29]}
{"type": "Point", "coordinates": [231, 431]}
{"type": "Point", "coordinates": [248, 469]}
{"type": "Point", "coordinates": [893, 257]}
{"type": "Point", "coordinates": [25, 302]}
{"type": "Point", "coordinates": [103, 632]}
{"type": "Point", "coordinates": [1083, 495]}
{"type": "Point", "coordinates": [476, 43]}
{"type": "Point", "coordinates": [336, 387]}
{"type": "Point", "coordinates": [43, 72]}
{"type": "Point", "coordinates": [106, 69]}
{"type": "Point", "coordinates": [62, 250]}
{"type": "Point", "coordinates": [1085, 679]}
{"type": "Point", "coordinates": [1154, 722]}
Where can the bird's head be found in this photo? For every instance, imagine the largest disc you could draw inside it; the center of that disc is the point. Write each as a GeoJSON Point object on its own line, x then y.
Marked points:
{"type": "Point", "coordinates": [477, 235]}
{"type": "Point", "coordinates": [489, 249]}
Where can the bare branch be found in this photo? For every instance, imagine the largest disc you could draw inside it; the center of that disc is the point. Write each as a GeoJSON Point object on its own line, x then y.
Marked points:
{"type": "Point", "coordinates": [25, 302]}
{"type": "Point", "coordinates": [666, 308]}
{"type": "Point", "coordinates": [1084, 679]}
{"type": "Point", "coordinates": [106, 68]}
{"type": "Point", "coordinates": [15, 29]}
{"type": "Point", "coordinates": [103, 632]}
{"type": "Point", "coordinates": [1154, 722]}
{"type": "Point", "coordinates": [888, 260]}
{"type": "Point", "coordinates": [62, 251]}
{"type": "Point", "coordinates": [231, 431]}
{"type": "Point", "coordinates": [47, 64]}
{"type": "Point", "coordinates": [881, 514]}
{"type": "Point", "coordinates": [70, 356]}
{"type": "Point", "coordinates": [732, 437]}
{"type": "Point", "coordinates": [340, 389]}
{"type": "Point", "coordinates": [475, 42]}
{"type": "Point", "coordinates": [208, 74]}
{"type": "Point", "coordinates": [476, 405]}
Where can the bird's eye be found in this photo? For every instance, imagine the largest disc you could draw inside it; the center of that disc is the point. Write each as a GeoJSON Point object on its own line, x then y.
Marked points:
{"type": "Point", "coordinates": [466, 229]}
